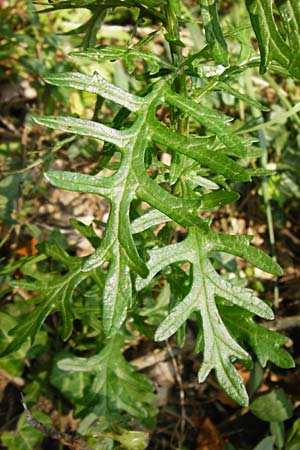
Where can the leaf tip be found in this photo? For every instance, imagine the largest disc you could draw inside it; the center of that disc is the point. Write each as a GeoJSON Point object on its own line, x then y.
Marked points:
{"type": "Point", "coordinates": [49, 175]}
{"type": "Point", "coordinates": [279, 270]}
{"type": "Point", "coordinates": [36, 118]}
{"type": "Point", "coordinates": [160, 335]}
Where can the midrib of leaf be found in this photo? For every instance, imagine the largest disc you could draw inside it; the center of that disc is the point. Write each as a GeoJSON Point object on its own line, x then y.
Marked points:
{"type": "Point", "coordinates": [26, 440]}
{"type": "Point", "coordinates": [118, 246]}
{"type": "Point", "coordinates": [121, 195]}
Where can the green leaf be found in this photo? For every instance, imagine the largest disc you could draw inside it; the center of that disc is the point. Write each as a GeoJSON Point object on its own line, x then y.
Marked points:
{"type": "Point", "coordinates": [290, 14]}
{"type": "Point", "coordinates": [148, 220]}
{"type": "Point", "coordinates": [277, 430]}
{"type": "Point", "coordinates": [265, 444]}
{"type": "Point", "coordinates": [132, 440]}
{"type": "Point", "coordinates": [212, 120]}
{"type": "Point", "coordinates": [225, 87]}
{"type": "Point", "coordinates": [9, 190]}
{"type": "Point", "coordinates": [213, 31]}
{"type": "Point", "coordinates": [84, 128]}
{"type": "Point", "coordinates": [115, 384]}
{"type": "Point", "coordinates": [117, 297]}
{"type": "Point", "coordinates": [196, 149]}
{"type": "Point", "coordinates": [240, 246]}
{"type": "Point", "coordinates": [12, 364]}
{"type": "Point", "coordinates": [293, 438]}
{"type": "Point", "coordinates": [128, 55]}
{"type": "Point", "coordinates": [87, 231]}
{"type": "Point", "coordinates": [80, 183]}
{"type": "Point", "coordinates": [272, 407]}
{"type": "Point", "coordinates": [218, 199]}
{"type": "Point", "coordinates": [220, 348]}
{"type": "Point", "coordinates": [73, 386]}
{"type": "Point", "coordinates": [95, 84]}
{"type": "Point", "coordinates": [131, 179]}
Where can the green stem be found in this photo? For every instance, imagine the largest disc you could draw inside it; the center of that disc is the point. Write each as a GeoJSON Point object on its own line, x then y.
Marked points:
{"type": "Point", "coordinates": [179, 120]}
{"type": "Point", "coordinates": [180, 123]}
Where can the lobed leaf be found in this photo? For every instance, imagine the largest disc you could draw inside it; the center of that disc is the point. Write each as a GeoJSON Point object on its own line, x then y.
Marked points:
{"type": "Point", "coordinates": [115, 383]}
{"type": "Point", "coordinates": [220, 347]}
{"type": "Point", "coordinates": [130, 181]}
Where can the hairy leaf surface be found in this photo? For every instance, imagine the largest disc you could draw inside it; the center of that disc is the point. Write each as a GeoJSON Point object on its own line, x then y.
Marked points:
{"type": "Point", "coordinates": [131, 179]}
{"type": "Point", "coordinates": [220, 347]}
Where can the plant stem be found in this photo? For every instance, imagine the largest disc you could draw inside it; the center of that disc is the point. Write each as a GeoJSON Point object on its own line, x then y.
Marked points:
{"type": "Point", "coordinates": [180, 123]}
{"type": "Point", "coordinates": [179, 120]}
{"type": "Point", "coordinates": [265, 188]}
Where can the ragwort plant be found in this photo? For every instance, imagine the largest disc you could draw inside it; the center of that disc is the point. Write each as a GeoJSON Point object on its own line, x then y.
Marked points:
{"type": "Point", "coordinates": [208, 160]}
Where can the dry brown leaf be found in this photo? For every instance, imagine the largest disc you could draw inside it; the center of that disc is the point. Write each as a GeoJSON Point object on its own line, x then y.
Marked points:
{"type": "Point", "coordinates": [209, 437]}
{"type": "Point", "coordinates": [28, 248]}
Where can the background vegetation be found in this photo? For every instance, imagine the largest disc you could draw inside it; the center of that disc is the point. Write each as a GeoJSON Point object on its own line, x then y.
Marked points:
{"type": "Point", "coordinates": [77, 383]}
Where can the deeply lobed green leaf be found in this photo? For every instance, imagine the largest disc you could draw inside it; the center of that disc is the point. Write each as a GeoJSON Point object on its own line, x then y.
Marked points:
{"type": "Point", "coordinates": [131, 180]}
{"type": "Point", "coordinates": [220, 347]}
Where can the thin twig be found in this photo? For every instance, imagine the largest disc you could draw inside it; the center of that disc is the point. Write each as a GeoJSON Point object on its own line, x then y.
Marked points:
{"type": "Point", "coordinates": [67, 439]}
{"type": "Point", "coordinates": [181, 394]}
{"type": "Point", "coordinates": [282, 323]}
{"type": "Point", "coordinates": [265, 188]}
